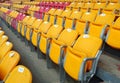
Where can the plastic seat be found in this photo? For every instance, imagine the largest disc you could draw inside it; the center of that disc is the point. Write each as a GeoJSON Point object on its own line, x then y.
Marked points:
{"type": "Point", "coordinates": [3, 39]}
{"type": "Point", "coordinates": [5, 48]}
{"type": "Point", "coordinates": [60, 19]}
{"type": "Point", "coordinates": [53, 32]}
{"type": "Point", "coordinates": [19, 25]}
{"type": "Point", "coordinates": [11, 16]}
{"type": "Point", "coordinates": [98, 6]}
{"type": "Point", "coordinates": [10, 60]}
{"type": "Point", "coordinates": [79, 58]}
{"type": "Point", "coordinates": [42, 11]}
{"type": "Point", "coordinates": [19, 74]}
{"type": "Point", "coordinates": [46, 15]}
{"type": "Point", "coordinates": [108, 18]}
{"type": "Point", "coordinates": [111, 7]}
{"type": "Point", "coordinates": [81, 24]}
{"type": "Point", "coordinates": [99, 28]}
{"type": "Point", "coordinates": [73, 4]}
{"type": "Point", "coordinates": [73, 16]}
{"type": "Point", "coordinates": [79, 5]}
{"type": "Point", "coordinates": [28, 26]}
{"type": "Point", "coordinates": [44, 27]}
{"type": "Point", "coordinates": [113, 37]}
{"type": "Point", "coordinates": [52, 17]}
{"type": "Point", "coordinates": [86, 6]}
{"type": "Point", "coordinates": [22, 23]}
{"type": "Point", "coordinates": [35, 25]}
{"type": "Point", "coordinates": [57, 45]}
{"type": "Point", "coordinates": [114, 1]}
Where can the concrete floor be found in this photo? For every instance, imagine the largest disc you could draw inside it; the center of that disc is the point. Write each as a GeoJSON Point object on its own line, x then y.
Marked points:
{"type": "Point", "coordinates": [37, 66]}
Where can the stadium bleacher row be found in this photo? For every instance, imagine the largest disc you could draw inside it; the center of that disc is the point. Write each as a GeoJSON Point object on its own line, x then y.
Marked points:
{"type": "Point", "coordinates": [73, 39]}
{"type": "Point", "coordinates": [10, 72]}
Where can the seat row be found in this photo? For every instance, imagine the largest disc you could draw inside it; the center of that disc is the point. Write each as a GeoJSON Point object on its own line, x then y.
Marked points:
{"type": "Point", "coordinates": [107, 7]}
{"type": "Point", "coordinates": [72, 39]}
{"type": "Point", "coordinates": [9, 71]}
{"type": "Point", "coordinates": [83, 0]}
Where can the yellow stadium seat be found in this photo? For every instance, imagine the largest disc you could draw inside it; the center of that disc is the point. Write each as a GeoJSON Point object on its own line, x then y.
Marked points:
{"type": "Point", "coordinates": [86, 6]}
{"type": "Point", "coordinates": [58, 12]}
{"type": "Point", "coordinates": [81, 24]}
{"type": "Point", "coordinates": [44, 27]}
{"type": "Point", "coordinates": [62, 40]}
{"type": "Point", "coordinates": [114, 1]}
{"type": "Point", "coordinates": [73, 16]}
{"type": "Point", "coordinates": [28, 26]}
{"type": "Point", "coordinates": [79, 58]}
{"type": "Point", "coordinates": [22, 24]}
{"type": "Point", "coordinates": [108, 18]}
{"type": "Point", "coordinates": [19, 25]}
{"type": "Point", "coordinates": [113, 37]}
{"type": "Point", "coordinates": [97, 6]}
{"type": "Point", "coordinates": [8, 62]}
{"type": "Point", "coordinates": [5, 48]}
{"type": "Point", "coordinates": [19, 74]}
{"type": "Point", "coordinates": [60, 19]}
{"type": "Point", "coordinates": [50, 12]}
{"type": "Point", "coordinates": [53, 32]}
{"type": "Point", "coordinates": [99, 27]}
{"type": "Point", "coordinates": [35, 25]}
{"type": "Point", "coordinates": [73, 4]}
{"type": "Point", "coordinates": [111, 7]}
{"type": "Point", "coordinates": [97, 30]}
{"type": "Point", "coordinates": [1, 33]}
{"type": "Point", "coordinates": [79, 5]}
{"type": "Point", "coordinates": [3, 39]}
{"type": "Point", "coordinates": [13, 16]}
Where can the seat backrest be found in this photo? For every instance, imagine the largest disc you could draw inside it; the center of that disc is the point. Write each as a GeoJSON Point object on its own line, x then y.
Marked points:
{"type": "Point", "coordinates": [114, 1]}
{"type": "Point", "coordinates": [89, 5]}
{"type": "Point", "coordinates": [37, 23]}
{"type": "Point", "coordinates": [68, 34]}
{"type": "Point", "coordinates": [79, 5]}
{"type": "Point", "coordinates": [97, 30]}
{"type": "Point", "coordinates": [99, 5]}
{"type": "Point", "coordinates": [44, 27]}
{"type": "Point", "coordinates": [113, 38]}
{"type": "Point", "coordinates": [26, 19]}
{"type": "Point", "coordinates": [3, 39]}
{"type": "Point", "coordinates": [89, 16]}
{"type": "Point", "coordinates": [51, 11]}
{"type": "Point", "coordinates": [54, 31]}
{"type": "Point", "coordinates": [88, 45]}
{"type": "Point", "coordinates": [66, 13]}
{"type": "Point", "coordinates": [105, 19]}
{"type": "Point", "coordinates": [73, 4]}
{"type": "Point", "coordinates": [58, 12]}
{"type": "Point", "coordinates": [112, 6]}
{"type": "Point", "coordinates": [69, 20]}
{"type": "Point", "coordinates": [76, 14]}
{"type": "Point", "coordinates": [20, 74]}
{"type": "Point", "coordinates": [8, 63]}
{"type": "Point", "coordinates": [30, 21]}
{"type": "Point", "coordinates": [5, 48]}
